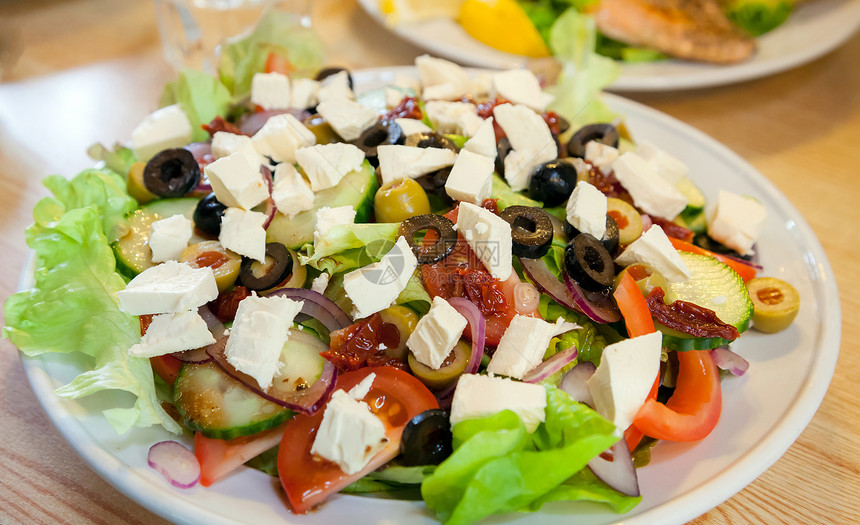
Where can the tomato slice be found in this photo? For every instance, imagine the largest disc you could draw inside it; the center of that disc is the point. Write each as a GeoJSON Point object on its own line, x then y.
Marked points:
{"type": "Point", "coordinates": [167, 367]}
{"type": "Point", "coordinates": [395, 397]}
{"type": "Point", "coordinates": [219, 457]}
{"type": "Point", "coordinates": [276, 63]}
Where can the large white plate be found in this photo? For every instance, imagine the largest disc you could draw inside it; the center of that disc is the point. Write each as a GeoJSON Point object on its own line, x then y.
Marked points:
{"type": "Point", "coordinates": [763, 412]}
{"type": "Point", "coordinates": [814, 29]}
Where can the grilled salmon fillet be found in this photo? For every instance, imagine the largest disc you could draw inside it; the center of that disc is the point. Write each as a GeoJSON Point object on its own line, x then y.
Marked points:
{"type": "Point", "coordinates": [689, 29]}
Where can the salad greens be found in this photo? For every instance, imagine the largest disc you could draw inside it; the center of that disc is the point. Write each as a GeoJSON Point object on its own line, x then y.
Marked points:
{"type": "Point", "coordinates": [201, 96]}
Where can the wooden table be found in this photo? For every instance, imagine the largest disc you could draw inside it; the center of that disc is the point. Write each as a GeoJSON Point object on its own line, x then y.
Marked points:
{"type": "Point", "coordinates": [67, 64]}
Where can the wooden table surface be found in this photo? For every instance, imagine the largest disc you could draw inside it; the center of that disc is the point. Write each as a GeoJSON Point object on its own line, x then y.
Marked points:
{"type": "Point", "coordinates": [68, 69]}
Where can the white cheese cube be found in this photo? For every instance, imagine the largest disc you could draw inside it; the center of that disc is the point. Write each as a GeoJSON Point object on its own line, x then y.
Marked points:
{"type": "Point", "coordinates": [360, 391]}
{"type": "Point", "coordinates": [169, 238]}
{"type": "Point", "coordinates": [225, 144]}
{"type": "Point", "coordinates": [320, 283]}
{"type": "Point", "coordinates": [168, 333]}
{"type": "Point", "coordinates": [304, 93]}
{"type": "Point", "coordinates": [600, 155]}
{"type": "Point", "coordinates": [326, 164]}
{"type": "Point", "coordinates": [335, 86]}
{"type": "Point", "coordinates": [236, 182]}
{"type": "Point", "coordinates": [441, 79]}
{"type": "Point", "coordinates": [737, 222]}
{"type": "Point", "coordinates": [471, 178]}
{"type": "Point", "coordinates": [520, 86]}
{"type": "Point", "coordinates": [393, 96]}
{"type": "Point", "coordinates": [407, 83]}
{"type": "Point", "coordinates": [349, 434]}
{"type": "Point", "coordinates": [525, 129]}
{"type": "Point", "coordinates": [521, 165]}
{"type": "Point", "coordinates": [281, 136]}
{"type": "Point", "coordinates": [270, 90]}
{"type": "Point", "coordinates": [327, 218]}
{"type": "Point", "coordinates": [483, 141]}
{"type": "Point", "coordinates": [524, 344]}
{"type": "Point", "coordinates": [411, 126]}
{"type": "Point", "coordinates": [666, 166]}
{"type": "Point", "coordinates": [258, 335]}
{"type": "Point", "coordinates": [489, 236]}
{"type": "Point", "coordinates": [168, 288]}
{"type": "Point", "coordinates": [624, 378]}
{"type": "Point", "coordinates": [436, 334]}
{"type": "Point", "coordinates": [651, 192]}
{"type": "Point", "coordinates": [242, 231]}
{"type": "Point", "coordinates": [482, 83]}
{"type": "Point", "coordinates": [654, 248]}
{"type": "Point", "coordinates": [400, 162]}
{"type": "Point", "coordinates": [480, 396]}
{"type": "Point", "coordinates": [586, 210]}
{"type": "Point", "coordinates": [347, 117]}
{"type": "Point", "coordinates": [291, 192]}
{"type": "Point", "coordinates": [376, 286]}
{"type": "Point", "coordinates": [164, 128]}
{"type": "Point", "coordinates": [453, 117]}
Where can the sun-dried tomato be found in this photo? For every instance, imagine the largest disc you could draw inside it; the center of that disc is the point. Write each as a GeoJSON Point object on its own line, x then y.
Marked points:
{"type": "Point", "coordinates": [364, 344]}
{"type": "Point", "coordinates": [145, 321]}
{"type": "Point", "coordinates": [689, 318]}
{"type": "Point", "coordinates": [408, 108]}
{"type": "Point", "coordinates": [225, 305]}
{"type": "Point", "coordinates": [673, 230]}
{"type": "Point", "coordinates": [491, 205]}
{"type": "Point", "coordinates": [219, 124]}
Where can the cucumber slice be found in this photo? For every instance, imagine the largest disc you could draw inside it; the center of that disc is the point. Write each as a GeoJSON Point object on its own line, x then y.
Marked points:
{"type": "Point", "coordinates": [220, 407]}
{"type": "Point", "coordinates": [695, 198]}
{"type": "Point", "coordinates": [693, 219]}
{"type": "Point", "coordinates": [675, 340]}
{"type": "Point", "coordinates": [356, 189]}
{"type": "Point", "coordinates": [132, 249]}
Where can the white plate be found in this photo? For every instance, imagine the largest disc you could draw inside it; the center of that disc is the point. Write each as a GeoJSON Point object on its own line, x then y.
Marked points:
{"type": "Point", "coordinates": [763, 412]}
{"type": "Point", "coordinates": [814, 29]}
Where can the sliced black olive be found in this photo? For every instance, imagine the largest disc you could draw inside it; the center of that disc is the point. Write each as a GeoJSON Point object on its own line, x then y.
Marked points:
{"type": "Point", "coordinates": [703, 241]}
{"type": "Point", "coordinates": [430, 139]}
{"type": "Point", "coordinates": [588, 263]}
{"type": "Point", "coordinates": [610, 239]}
{"type": "Point", "coordinates": [442, 226]}
{"type": "Point", "coordinates": [603, 133]}
{"type": "Point", "coordinates": [563, 124]}
{"type": "Point", "coordinates": [502, 149]}
{"type": "Point", "coordinates": [171, 173]}
{"type": "Point", "coordinates": [329, 71]}
{"type": "Point", "coordinates": [427, 438]}
{"type": "Point", "coordinates": [207, 215]}
{"type": "Point", "coordinates": [531, 230]}
{"type": "Point", "coordinates": [383, 132]}
{"type": "Point", "coordinates": [277, 266]}
{"type": "Point", "coordinates": [553, 182]}
{"type": "Point", "coordinates": [433, 184]}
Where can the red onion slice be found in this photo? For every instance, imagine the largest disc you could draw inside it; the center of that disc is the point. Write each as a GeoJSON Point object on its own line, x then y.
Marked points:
{"type": "Point", "coordinates": [215, 326]}
{"type": "Point", "coordinates": [477, 326]}
{"type": "Point", "coordinates": [597, 307]}
{"type": "Point", "coordinates": [646, 222]}
{"type": "Point", "coordinates": [176, 463]}
{"type": "Point", "coordinates": [196, 355]}
{"type": "Point", "coordinates": [751, 264]}
{"type": "Point", "coordinates": [615, 468]}
{"type": "Point", "coordinates": [271, 209]}
{"type": "Point", "coordinates": [575, 382]}
{"type": "Point", "coordinates": [725, 359]}
{"type": "Point", "coordinates": [316, 305]}
{"type": "Point", "coordinates": [551, 366]}
{"type": "Point", "coordinates": [252, 122]}
{"type": "Point", "coordinates": [570, 297]}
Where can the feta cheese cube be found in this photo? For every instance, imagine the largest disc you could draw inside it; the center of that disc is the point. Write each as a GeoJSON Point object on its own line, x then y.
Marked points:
{"type": "Point", "coordinates": [411, 126]}
{"type": "Point", "coordinates": [347, 117]}
{"type": "Point", "coordinates": [320, 283]}
{"type": "Point", "coordinates": [453, 117]}
{"type": "Point", "coordinates": [291, 192]}
{"type": "Point", "coordinates": [480, 396]}
{"type": "Point", "coordinates": [531, 140]}
{"type": "Point", "coordinates": [258, 335]}
{"type": "Point", "coordinates": [169, 238]}
{"type": "Point", "coordinates": [650, 192]}
{"type": "Point", "coordinates": [654, 248]}
{"type": "Point", "coordinates": [376, 286]}
{"type": "Point", "coordinates": [737, 222]}
{"type": "Point", "coordinates": [482, 83]}
{"type": "Point", "coordinates": [164, 128]}
{"type": "Point", "coordinates": [270, 90]}
{"type": "Point", "coordinates": [236, 182]}
{"type": "Point", "coordinates": [281, 136]}
{"type": "Point", "coordinates": [327, 218]}
{"type": "Point", "coordinates": [489, 236]}
{"type": "Point", "coordinates": [393, 96]}
{"type": "Point", "coordinates": [441, 79]}
{"type": "Point", "coordinates": [304, 93]}
{"type": "Point", "coordinates": [436, 334]}
{"type": "Point", "coordinates": [471, 178]}
{"type": "Point", "coordinates": [360, 391]}
{"type": "Point", "coordinates": [600, 155]}
{"type": "Point", "coordinates": [400, 162]}
{"type": "Point", "coordinates": [169, 287]}
{"type": "Point", "coordinates": [520, 86]}
{"type": "Point", "coordinates": [349, 434]}
{"type": "Point", "coordinates": [483, 141]}
{"type": "Point", "coordinates": [175, 332]}
{"type": "Point", "coordinates": [407, 83]}
{"type": "Point", "coordinates": [225, 144]}
{"type": "Point", "coordinates": [624, 378]}
{"type": "Point", "coordinates": [326, 164]}
{"type": "Point", "coordinates": [242, 231]}
{"type": "Point", "coordinates": [335, 86]}
{"type": "Point", "coordinates": [586, 210]}
{"type": "Point", "coordinates": [666, 166]}
{"type": "Point", "coordinates": [524, 344]}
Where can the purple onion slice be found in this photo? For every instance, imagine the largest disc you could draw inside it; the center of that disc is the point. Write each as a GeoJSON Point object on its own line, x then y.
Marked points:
{"type": "Point", "coordinates": [318, 306]}
{"type": "Point", "coordinates": [725, 359]}
{"type": "Point", "coordinates": [569, 295]}
{"type": "Point", "coordinates": [597, 307]}
{"type": "Point", "coordinates": [615, 468]}
{"type": "Point", "coordinates": [575, 382]}
{"type": "Point", "coordinates": [551, 365]}
{"type": "Point", "coordinates": [271, 209]}
{"type": "Point", "coordinates": [477, 325]}
{"type": "Point", "coordinates": [176, 463]}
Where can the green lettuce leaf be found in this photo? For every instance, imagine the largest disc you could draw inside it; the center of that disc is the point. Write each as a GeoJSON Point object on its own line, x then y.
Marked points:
{"type": "Point", "coordinates": [119, 159]}
{"type": "Point", "coordinates": [350, 246]}
{"type": "Point", "coordinates": [202, 97]}
{"type": "Point", "coordinates": [507, 197]}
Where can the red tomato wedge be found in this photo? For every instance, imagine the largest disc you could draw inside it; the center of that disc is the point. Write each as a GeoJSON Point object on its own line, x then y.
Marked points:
{"type": "Point", "coordinates": [276, 63]}
{"type": "Point", "coordinates": [395, 397]}
{"type": "Point", "coordinates": [167, 367]}
{"type": "Point", "coordinates": [219, 457]}
{"type": "Point", "coordinates": [746, 271]}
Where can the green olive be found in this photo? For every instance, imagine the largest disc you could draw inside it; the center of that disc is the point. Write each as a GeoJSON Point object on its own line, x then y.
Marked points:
{"type": "Point", "coordinates": [321, 129]}
{"type": "Point", "coordinates": [646, 276]}
{"type": "Point", "coordinates": [135, 186]}
{"type": "Point", "coordinates": [224, 263]}
{"type": "Point", "coordinates": [628, 219]}
{"type": "Point", "coordinates": [398, 200]}
{"type": "Point", "coordinates": [405, 321]}
{"type": "Point", "coordinates": [451, 368]}
{"type": "Point", "coordinates": [776, 304]}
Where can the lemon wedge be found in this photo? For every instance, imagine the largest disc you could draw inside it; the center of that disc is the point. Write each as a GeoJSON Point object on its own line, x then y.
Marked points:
{"type": "Point", "coordinates": [502, 24]}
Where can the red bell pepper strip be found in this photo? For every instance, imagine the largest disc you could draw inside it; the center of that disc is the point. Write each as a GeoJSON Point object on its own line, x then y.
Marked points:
{"type": "Point", "coordinates": [746, 271]}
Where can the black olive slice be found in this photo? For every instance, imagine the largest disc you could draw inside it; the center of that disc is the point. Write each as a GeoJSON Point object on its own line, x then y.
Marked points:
{"type": "Point", "coordinates": [329, 71]}
{"type": "Point", "coordinates": [207, 215]}
{"type": "Point", "coordinates": [610, 239]}
{"type": "Point", "coordinates": [433, 184]}
{"type": "Point", "coordinates": [502, 149]}
{"type": "Point", "coordinates": [563, 124]}
{"type": "Point", "coordinates": [531, 230]}
{"type": "Point", "coordinates": [278, 265]}
{"type": "Point", "coordinates": [443, 246]}
{"type": "Point", "coordinates": [171, 173]}
{"type": "Point", "coordinates": [430, 139]}
{"type": "Point", "coordinates": [603, 133]}
{"type": "Point", "coordinates": [703, 241]}
{"type": "Point", "coordinates": [553, 182]}
{"type": "Point", "coordinates": [383, 132]}
{"type": "Point", "coordinates": [427, 438]}
{"type": "Point", "coordinates": [589, 264]}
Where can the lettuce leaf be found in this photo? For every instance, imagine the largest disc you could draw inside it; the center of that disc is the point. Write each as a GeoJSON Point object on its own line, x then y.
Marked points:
{"type": "Point", "coordinates": [498, 467]}
{"type": "Point", "coordinates": [507, 197]}
{"type": "Point", "coordinates": [201, 96]}
{"type": "Point", "coordinates": [350, 246]}
{"type": "Point", "coordinates": [119, 159]}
